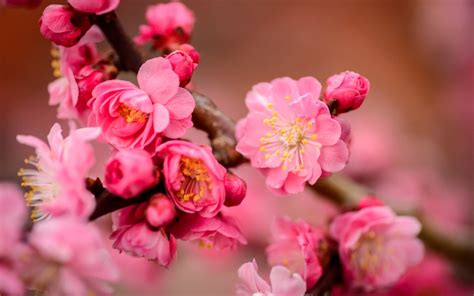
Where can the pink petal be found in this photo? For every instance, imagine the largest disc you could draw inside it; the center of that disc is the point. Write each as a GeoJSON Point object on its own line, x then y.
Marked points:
{"type": "Point", "coordinates": [284, 283]}
{"type": "Point", "coordinates": [327, 130]}
{"type": "Point", "coordinates": [158, 79]}
{"type": "Point", "coordinates": [181, 105]}
{"type": "Point", "coordinates": [334, 158]}
{"type": "Point", "coordinates": [251, 282]}
{"type": "Point", "coordinates": [309, 85]}
{"type": "Point", "coordinates": [178, 128]}
{"type": "Point", "coordinates": [161, 118]}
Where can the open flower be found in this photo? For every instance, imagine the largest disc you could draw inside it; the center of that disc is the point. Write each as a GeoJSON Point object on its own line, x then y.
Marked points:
{"type": "Point", "coordinates": [193, 177]}
{"type": "Point", "coordinates": [290, 135]}
{"type": "Point", "coordinates": [138, 117]}
{"type": "Point", "coordinates": [376, 247]}
{"type": "Point", "coordinates": [71, 259]}
{"type": "Point", "coordinates": [298, 246]}
{"type": "Point", "coordinates": [218, 232]}
{"type": "Point", "coordinates": [283, 282]}
{"type": "Point", "coordinates": [57, 179]}
{"type": "Point", "coordinates": [96, 6]}
{"type": "Point", "coordinates": [169, 25]}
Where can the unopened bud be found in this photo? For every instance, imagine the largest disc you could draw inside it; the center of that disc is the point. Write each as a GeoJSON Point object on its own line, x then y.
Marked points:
{"type": "Point", "coordinates": [160, 210]}
{"type": "Point", "coordinates": [235, 190]}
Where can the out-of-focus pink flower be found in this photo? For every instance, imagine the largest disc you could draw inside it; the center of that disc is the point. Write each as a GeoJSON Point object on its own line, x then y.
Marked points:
{"type": "Point", "coordinates": [12, 220]}
{"type": "Point", "coordinates": [235, 190]}
{"type": "Point", "coordinates": [169, 25]}
{"type": "Point", "coordinates": [218, 232]}
{"type": "Point", "coordinates": [57, 179]}
{"type": "Point", "coordinates": [298, 246]}
{"type": "Point", "coordinates": [135, 237]}
{"type": "Point", "coordinates": [376, 247]}
{"type": "Point", "coordinates": [130, 172]}
{"type": "Point", "coordinates": [346, 91]}
{"type": "Point", "coordinates": [65, 93]}
{"type": "Point", "coordinates": [184, 64]}
{"type": "Point", "coordinates": [96, 6]}
{"type": "Point", "coordinates": [193, 177]}
{"type": "Point", "coordinates": [290, 135]}
{"type": "Point", "coordinates": [160, 211]}
{"type": "Point", "coordinates": [21, 3]}
{"type": "Point", "coordinates": [63, 25]}
{"type": "Point", "coordinates": [283, 282]}
{"type": "Point", "coordinates": [72, 259]}
{"type": "Point", "coordinates": [138, 118]}
{"type": "Point", "coordinates": [369, 201]}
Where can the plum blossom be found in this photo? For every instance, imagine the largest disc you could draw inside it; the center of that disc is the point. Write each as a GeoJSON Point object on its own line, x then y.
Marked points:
{"type": "Point", "coordinates": [235, 190]}
{"type": "Point", "coordinates": [184, 63]}
{"type": "Point", "coordinates": [218, 232]}
{"type": "Point", "coordinates": [96, 6]}
{"type": "Point", "coordinates": [282, 282]}
{"type": "Point", "coordinates": [138, 117]}
{"type": "Point", "coordinates": [376, 247]}
{"type": "Point", "coordinates": [346, 91]}
{"type": "Point", "coordinates": [133, 235]}
{"type": "Point", "coordinates": [71, 259]}
{"type": "Point", "coordinates": [168, 25]}
{"type": "Point", "coordinates": [298, 246]}
{"type": "Point", "coordinates": [130, 172]}
{"type": "Point", "coordinates": [63, 25]}
{"type": "Point", "coordinates": [193, 177]}
{"type": "Point", "coordinates": [11, 222]}
{"type": "Point", "coordinates": [290, 135]}
{"type": "Point", "coordinates": [56, 181]}
{"type": "Point", "coordinates": [160, 211]}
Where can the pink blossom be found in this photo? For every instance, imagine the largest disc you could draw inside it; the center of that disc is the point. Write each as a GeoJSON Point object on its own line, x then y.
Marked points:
{"type": "Point", "coordinates": [65, 93]}
{"type": "Point", "coordinates": [283, 282]}
{"type": "Point", "coordinates": [160, 211]}
{"type": "Point", "coordinates": [376, 247]}
{"type": "Point", "coordinates": [184, 64]}
{"type": "Point", "coordinates": [346, 91]}
{"type": "Point", "coordinates": [218, 232]}
{"type": "Point", "coordinates": [369, 201]}
{"type": "Point", "coordinates": [96, 6]}
{"type": "Point", "coordinates": [63, 25]}
{"type": "Point", "coordinates": [297, 246]}
{"type": "Point", "coordinates": [72, 259]}
{"type": "Point", "coordinates": [290, 135]}
{"type": "Point", "coordinates": [235, 190]}
{"type": "Point", "coordinates": [130, 172]}
{"type": "Point", "coordinates": [59, 170]}
{"type": "Point", "coordinates": [193, 177]}
{"type": "Point", "coordinates": [169, 25]}
{"type": "Point", "coordinates": [21, 3]}
{"type": "Point", "coordinates": [135, 237]}
{"type": "Point", "coordinates": [138, 118]}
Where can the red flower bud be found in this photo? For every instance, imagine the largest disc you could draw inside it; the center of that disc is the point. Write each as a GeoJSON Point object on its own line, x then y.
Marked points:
{"type": "Point", "coordinates": [235, 190]}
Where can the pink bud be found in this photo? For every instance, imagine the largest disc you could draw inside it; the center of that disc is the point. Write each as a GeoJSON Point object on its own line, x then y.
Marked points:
{"type": "Point", "coordinates": [235, 190]}
{"type": "Point", "coordinates": [130, 172]}
{"type": "Point", "coordinates": [191, 51]}
{"type": "Point", "coordinates": [63, 25]}
{"type": "Point", "coordinates": [160, 211]}
{"type": "Point", "coordinates": [369, 201]}
{"type": "Point", "coordinates": [346, 91]}
{"type": "Point", "coordinates": [183, 64]}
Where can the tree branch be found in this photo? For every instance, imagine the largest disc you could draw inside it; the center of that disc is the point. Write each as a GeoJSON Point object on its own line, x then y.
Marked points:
{"type": "Point", "coordinates": [220, 129]}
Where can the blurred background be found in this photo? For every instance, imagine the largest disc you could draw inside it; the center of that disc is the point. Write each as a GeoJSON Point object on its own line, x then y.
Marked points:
{"type": "Point", "coordinates": [413, 138]}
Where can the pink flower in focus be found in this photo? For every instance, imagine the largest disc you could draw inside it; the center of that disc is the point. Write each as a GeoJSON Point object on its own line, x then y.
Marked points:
{"type": "Point", "coordinates": [135, 237]}
{"type": "Point", "coordinates": [63, 25]}
{"type": "Point", "coordinates": [193, 177]}
{"type": "Point", "coordinates": [346, 91]}
{"type": "Point", "coordinates": [160, 211]}
{"type": "Point", "coordinates": [138, 118]}
{"type": "Point", "coordinates": [72, 259]}
{"type": "Point", "coordinates": [290, 135]}
{"type": "Point", "coordinates": [283, 282]}
{"type": "Point", "coordinates": [297, 246]}
{"type": "Point", "coordinates": [96, 6]}
{"type": "Point", "coordinates": [59, 170]}
{"type": "Point", "coordinates": [235, 190]}
{"type": "Point", "coordinates": [130, 172]}
{"type": "Point", "coordinates": [169, 25]}
{"type": "Point", "coordinates": [12, 219]}
{"type": "Point", "coordinates": [376, 247]}
{"type": "Point", "coordinates": [218, 232]}
{"type": "Point", "coordinates": [184, 64]}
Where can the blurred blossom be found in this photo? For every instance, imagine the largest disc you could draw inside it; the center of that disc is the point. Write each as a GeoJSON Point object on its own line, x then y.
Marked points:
{"type": "Point", "coordinates": [96, 6]}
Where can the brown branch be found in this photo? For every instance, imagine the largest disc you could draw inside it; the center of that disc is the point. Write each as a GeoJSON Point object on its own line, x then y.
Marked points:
{"type": "Point", "coordinates": [220, 129]}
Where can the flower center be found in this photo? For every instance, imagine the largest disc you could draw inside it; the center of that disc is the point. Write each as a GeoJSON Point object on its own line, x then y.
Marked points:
{"type": "Point", "coordinates": [287, 139]}
{"type": "Point", "coordinates": [366, 254]}
{"type": "Point", "coordinates": [42, 186]}
{"type": "Point", "coordinates": [132, 115]}
{"type": "Point", "coordinates": [196, 179]}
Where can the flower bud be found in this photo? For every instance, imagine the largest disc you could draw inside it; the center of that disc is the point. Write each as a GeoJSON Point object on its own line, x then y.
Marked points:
{"type": "Point", "coordinates": [160, 211]}
{"type": "Point", "coordinates": [235, 190]}
{"type": "Point", "coordinates": [346, 91]}
{"type": "Point", "coordinates": [63, 25]}
{"type": "Point", "coordinates": [130, 172]}
{"type": "Point", "coordinates": [183, 64]}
